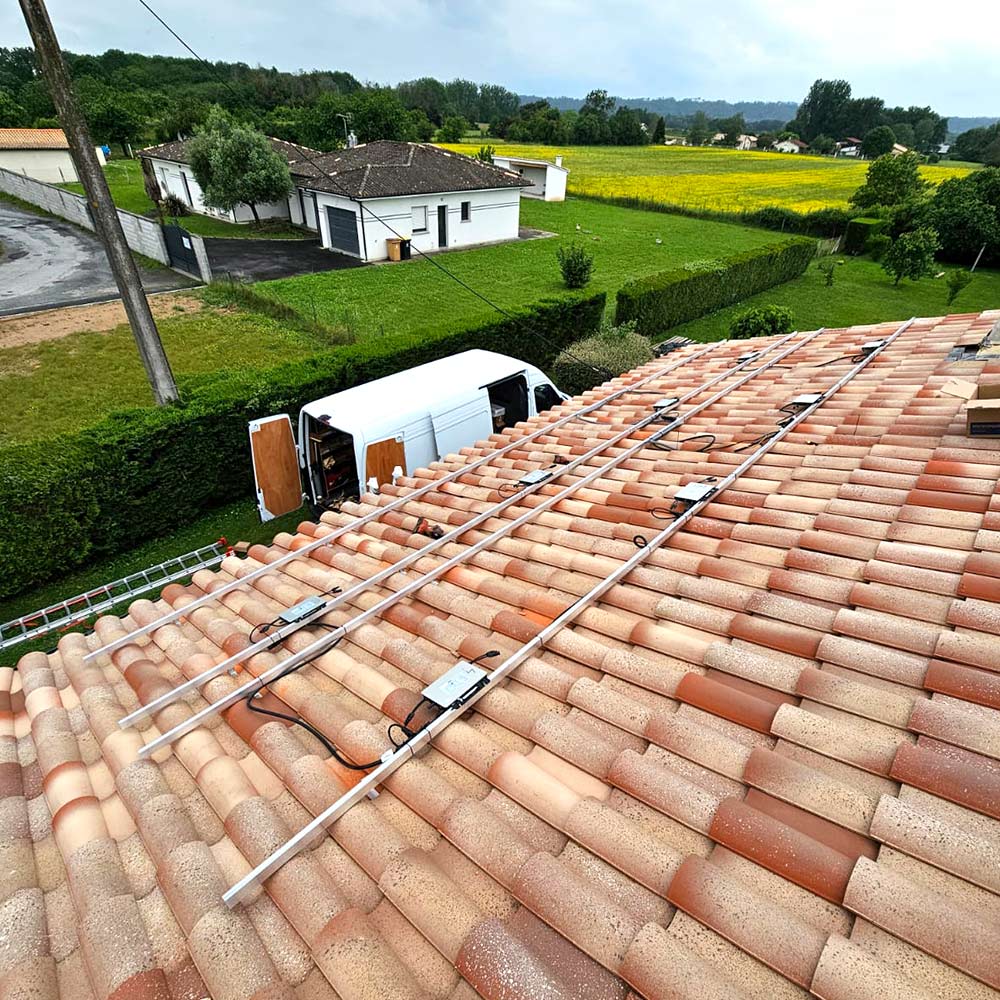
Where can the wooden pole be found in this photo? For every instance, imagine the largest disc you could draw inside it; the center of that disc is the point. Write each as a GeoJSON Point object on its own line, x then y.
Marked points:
{"type": "Point", "coordinates": [102, 208]}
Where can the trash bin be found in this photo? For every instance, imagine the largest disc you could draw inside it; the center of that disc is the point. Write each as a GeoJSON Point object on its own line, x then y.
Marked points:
{"type": "Point", "coordinates": [393, 247]}
{"type": "Point", "coordinates": [404, 249]}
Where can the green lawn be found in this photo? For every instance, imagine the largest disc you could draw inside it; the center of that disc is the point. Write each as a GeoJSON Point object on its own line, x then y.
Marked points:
{"type": "Point", "coordinates": [862, 293]}
{"type": "Point", "coordinates": [416, 296]}
{"type": "Point", "coordinates": [237, 522]}
{"type": "Point", "coordinates": [62, 385]}
{"type": "Point", "coordinates": [710, 177]}
{"type": "Point", "coordinates": [125, 181]}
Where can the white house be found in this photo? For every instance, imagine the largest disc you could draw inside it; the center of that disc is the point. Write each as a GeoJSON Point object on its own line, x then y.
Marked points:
{"type": "Point", "coordinates": [41, 153]}
{"type": "Point", "coordinates": [745, 142]}
{"type": "Point", "coordinates": [359, 197]}
{"type": "Point", "coordinates": [790, 146]}
{"type": "Point", "coordinates": [898, 149]}
{"type": "Point", "coordinates": [548, 179]}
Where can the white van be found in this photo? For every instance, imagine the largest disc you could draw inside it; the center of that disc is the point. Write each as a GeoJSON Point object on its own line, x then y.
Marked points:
{"type": "Point", "coordinates": [406, 420]}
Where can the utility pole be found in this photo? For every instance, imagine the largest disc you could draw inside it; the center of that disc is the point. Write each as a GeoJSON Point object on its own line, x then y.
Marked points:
{"type": "Point", "coordinates": [102, 208]}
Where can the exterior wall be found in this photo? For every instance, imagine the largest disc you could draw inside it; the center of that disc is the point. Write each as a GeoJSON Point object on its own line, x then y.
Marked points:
{"type": "Point", "coordinates": [143, 235]}
{"type": "Point", "coordinates": [494, 217]}
{"type": "Point", "coordinates": [299, 200]}
{"type": "Point", "coordinates": [54, 166]}
{"type": "Point", "coordinates": [548, 182]}
{"type": "Point", "coordinates": [178, 180]}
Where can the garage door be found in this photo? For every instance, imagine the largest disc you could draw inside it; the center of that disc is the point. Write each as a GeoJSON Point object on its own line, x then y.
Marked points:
{"type": "Point", "coordinates": [343, 229]}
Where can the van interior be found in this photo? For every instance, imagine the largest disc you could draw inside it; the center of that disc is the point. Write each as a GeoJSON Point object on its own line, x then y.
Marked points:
{"type": "Point", "coordinates": [333, 467]}
{"type": "Point", "coordinates": [508, 401]}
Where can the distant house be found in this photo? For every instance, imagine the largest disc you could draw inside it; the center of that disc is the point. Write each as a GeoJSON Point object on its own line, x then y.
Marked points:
{"type": "Point", "coordinates": [746, 142]}
{"type": "Point", "coordinates": [944, 148]}
{"type": "Point", "coordinates": [790, 146]}
{"type": "Point", "coordinates": [41, 153]}
{"type": "Point", "coordinates": [718, 137]}
{"type": "Point", "coordinates": [548, 179]}
{"type": "Point", "coordinates": [848, 146]}
{"type": "Point", "coordinates": [433, 197]}
{"type": "Point", "coordinates": [898, 149]}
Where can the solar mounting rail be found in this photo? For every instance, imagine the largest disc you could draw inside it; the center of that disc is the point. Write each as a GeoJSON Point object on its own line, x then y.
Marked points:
{"type": "Point", "coordinates": [392, 760]}
{"type": "Point", "coordinates": [327, 640]}
{"type": "Point", "coordinates": [359, 522]}
{"type": "Point", "coordinates": [76, 610]}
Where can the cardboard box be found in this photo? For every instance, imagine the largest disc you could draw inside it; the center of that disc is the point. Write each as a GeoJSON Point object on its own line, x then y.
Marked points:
{"type": "Point", "coordinates": [982, 412]}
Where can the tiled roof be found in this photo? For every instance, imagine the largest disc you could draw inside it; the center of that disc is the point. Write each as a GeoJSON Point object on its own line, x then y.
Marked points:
{"type": "Point", "coordinates": [765, 765]}
{"type": "Point", "coordinates": [176, 151]}
{"type": "Point", "coordinates": [33, 138]}
{"type": "Point", "coordinates": [383, 169]}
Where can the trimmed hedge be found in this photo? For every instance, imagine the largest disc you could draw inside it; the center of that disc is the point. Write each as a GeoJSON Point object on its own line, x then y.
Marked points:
{"type": "Point", "coordinates": [143, 473]}
{"type": "Point", "coordinates": [670, 298]}
{"type": "Point", "coordinates": [859, 232]}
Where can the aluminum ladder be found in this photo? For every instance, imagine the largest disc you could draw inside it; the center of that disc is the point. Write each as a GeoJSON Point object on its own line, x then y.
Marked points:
{"type": "Point", "coordinates": [76, 610]}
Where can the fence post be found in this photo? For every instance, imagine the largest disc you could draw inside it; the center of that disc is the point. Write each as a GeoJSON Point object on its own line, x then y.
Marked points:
{"type": "Point", "coordinates": [204, 264]}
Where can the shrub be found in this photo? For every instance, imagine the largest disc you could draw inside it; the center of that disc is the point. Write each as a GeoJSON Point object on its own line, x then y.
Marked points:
{"type": "Point", "coordinates": [486, 153]}
{"type": "Point", "coordinates": [452, 129]}
{"type": "Point", "coordinates": [615, 349]}
{"type": "Point", "coordinates": [911, 255]}
{"type": "Point", "coordinates": [663, 300]}
{"type": "Point", "coordinates": [174, 206]}
{"type": "Point", "coordinates": [145, 472]}
{"type": "Point", "coordinates": [956, 281]}
{"type": "Point", "coordinates": [859, 232]}
{"type": "Point", "coordinates": [576, 265]}
{"type": "Point", "coordinates": [828, 267]}
{"type": "Point", "coordinates": [762, 321]}
{"type": "Point", "coordinates": [877, 245]}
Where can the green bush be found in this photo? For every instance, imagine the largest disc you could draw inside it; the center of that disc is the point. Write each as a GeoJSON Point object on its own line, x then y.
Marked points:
{"type": "Point", "coordinates": [859, 232]}
{"type": "Point", "coordinates": [877, 245]}
{"type": "Point", "coordinates": [762, 321]}
{"type": "Point", "coordinates": [956, 281]}
{"type": "Point", "coordinates": [669, 298]}
{"type": "Point", "coordinates": [576, 265]}
{"type": "Point", "coordinates": [143, 473]}
{"type": "Point", "coordinates": [615, 349]}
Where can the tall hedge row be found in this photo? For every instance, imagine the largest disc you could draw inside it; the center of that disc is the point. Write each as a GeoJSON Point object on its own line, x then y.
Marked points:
{"type": "Point", "coordinates": [143, 473]}
{"type": "Point", "coordinates": [666, 299]}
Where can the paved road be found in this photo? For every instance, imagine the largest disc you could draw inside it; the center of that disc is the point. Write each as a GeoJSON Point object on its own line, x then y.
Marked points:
{"type": "Point", "coordinates": [49, 263]}
{"type": "Point", "coordinates": [263, 260]}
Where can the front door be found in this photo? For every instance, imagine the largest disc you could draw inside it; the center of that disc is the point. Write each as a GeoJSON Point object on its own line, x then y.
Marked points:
{"type": "Point", "coordinates": [442, 225]}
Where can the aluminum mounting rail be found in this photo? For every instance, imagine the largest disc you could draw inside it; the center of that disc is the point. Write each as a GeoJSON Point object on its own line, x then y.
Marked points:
{"type": "Point", "coordinates": [374, 515]}
{"type": "Point", "coordinates": [392, 760]}
{"type": "Point", "coordinates": [326, 641]}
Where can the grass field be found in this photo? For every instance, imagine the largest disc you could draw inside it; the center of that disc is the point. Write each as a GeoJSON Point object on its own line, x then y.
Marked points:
{"type": "Point", "coordinates": [862, 293]}
{"type": "Point", "coordinates": [725, 180]}
{"type": "Point", "coordinates": [416, 296]}
{"type": "Point", "coordinates": [125, 181]}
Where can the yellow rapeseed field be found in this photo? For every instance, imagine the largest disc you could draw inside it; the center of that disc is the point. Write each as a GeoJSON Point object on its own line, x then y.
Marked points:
{"type": "Point", "coordinates": [725, 180]}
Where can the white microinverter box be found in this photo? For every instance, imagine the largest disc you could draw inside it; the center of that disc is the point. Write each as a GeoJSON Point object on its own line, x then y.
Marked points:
{"type": "Point", "coordinates": [694, 492]}
{"type": "Point", "coordinates": [667, 403]}
{"type": "Point", "coordinates": [453, 686]}
{"type": "Point", "coordinates": [806, 399]}
{"type": "Point", "coordinates": [301, 610]}
{"type": "Point", "coordinates": [535, 477]}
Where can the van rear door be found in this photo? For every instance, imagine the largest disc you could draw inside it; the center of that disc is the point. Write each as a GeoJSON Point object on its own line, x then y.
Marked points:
{"type": "Point", "coordinates": [461, 424]}
{"type": "Point", "coordinates": [275, 466]}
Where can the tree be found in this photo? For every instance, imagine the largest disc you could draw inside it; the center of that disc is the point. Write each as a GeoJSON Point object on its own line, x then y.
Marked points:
{"type": "Point", "coordinates": [956, 281]}
{"type": "Point", "coordinates": [426, 94]}
{"type": "Point", "coordinates": [904, 133]}
{"type": "Point", "coordinates": [878, 142]}
{"type": "Point", "coordinates": [421, 125]}
{"type": "Point", "coordinates": [991, 155]}
{"type": "Point", "coordinates": [627, 128]}
{"type": "Point", "coordinates": [765, 140]}
{"type": "Point", "coordinates": [698, 133]}
{"type": "Point", "coordinates": [890, 180]}
{"type": "Point", "coordinates": [659, 132]}
{"type": "Point", "coordinates": [452, 129]}
{"type": "Point", "coordinates": [12, 115]}
{"type": "Point", "coordinates": [597, 102]}
{"type": "Point", "coordinates": [911, 255]}
{"type": "Point", "coordinates": [965, 219]}
{"type": "Point", "coordinates": [486, 153]}
{"type": "Point", "coordinates": [378, 114]}
{"type": "Point", "coordinates": [235, 164]}
{"type": "Point", "coordinates": [732, 128]}
{"type": "Point", "coordinates": [823, 144]}
{"type": "Point", "coordinates": [113, 115]}
{"type": "Point", "coordinates": [462, 99]}
{"type": "Point", "coordinates": [822, 110]}
{"type": "Point", "coordinates": [970, 145]}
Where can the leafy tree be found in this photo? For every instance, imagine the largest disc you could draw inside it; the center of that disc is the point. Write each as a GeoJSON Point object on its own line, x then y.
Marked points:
{"type": "Point", "coordinates": [576, 264]}
{"type": "Point", "coordinates": [904, 133]}
{"type": "Point", "coordinates": [462, 99]}
{"type": "Point", "coordinates": [765, 140]}
{"type": "Point", "coordinates": [113, 115]}
{"type": "Point", "coordinates": [597, 102]}
{"type": "Point", "coordinates": [235, 164]}
{"type": "Point", "coordinates": [426, 94]}
{"type": "Point", "coordinates": [822, 110]}
{"type": "Point", "coordinates": [965, 219]}
{"type": "Point", "coordinates": [991, 155]}
{"type": "Point", "coordinates": [956, 281]}
{"type": "Point", "coordinates": [911, 255]}
{"type": "Point", "coordinates": [421, 126]}
{"type": "Point", "coordinates": [627, 128]}
{"type": "Point", "coordinates": [823, 144]}
{"type": "Point", "coordinates": [971, 145]}
{"type": "Point", "coordinates": [12, 115]}
{"type": "Point", "coordinates": [452, 129]}
{"type": "Point", "coordinates": [378, 114]}
{"type": "Point", "coordinates": [486, 153]}
{"type": "Point", "coordinates": [890, 180]}
{"type": "Point", "coordinates": [496, 103]}
{"type": "Point", "coordinates": [659, 132]}
{"type": "Point", "coordinates": [698, 133]}
{"type": "Point", "coordinates": [732, 128]}
{"type": "Point", "coordinates": [878, 142]}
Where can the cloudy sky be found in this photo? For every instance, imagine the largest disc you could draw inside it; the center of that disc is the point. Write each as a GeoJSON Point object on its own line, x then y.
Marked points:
{"type": "Point", "coordinates": [907, 51]}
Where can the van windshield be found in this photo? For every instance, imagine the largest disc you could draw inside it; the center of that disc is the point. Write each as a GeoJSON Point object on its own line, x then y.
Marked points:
{"type": "Point", "coordinates": [333, 469]}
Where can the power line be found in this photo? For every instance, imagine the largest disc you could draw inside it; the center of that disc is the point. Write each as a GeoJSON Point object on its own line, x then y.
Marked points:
{"type": "Point", "coordinates": [364, 208]}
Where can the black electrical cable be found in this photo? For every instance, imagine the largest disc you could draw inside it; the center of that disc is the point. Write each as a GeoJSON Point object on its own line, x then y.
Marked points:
{"type": "Point", "coordinates": [600, 369]}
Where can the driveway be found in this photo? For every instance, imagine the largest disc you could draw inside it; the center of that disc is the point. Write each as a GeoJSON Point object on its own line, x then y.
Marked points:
{"type": "Point", "coordinates": [262, 260]}
{"type": "Point", "coordinates": [48, 263]}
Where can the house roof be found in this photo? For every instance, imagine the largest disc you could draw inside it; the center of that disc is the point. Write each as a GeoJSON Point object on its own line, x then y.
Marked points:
{"type": "Point", "coordinates": [33, 138]}
{"type": "Point", "coordinates": [765, 765]}
{"type": "Point", "coordinates": [548, 164]}
{"type": "Point", "coordinates": [383, 169]}
{"type": "Point", "coordinates": [176, 151]}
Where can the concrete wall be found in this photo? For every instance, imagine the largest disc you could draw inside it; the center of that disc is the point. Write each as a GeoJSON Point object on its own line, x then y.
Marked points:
{"type": "Point", "coordinates": [178, 180]}
{"type": "Point", "coordinates": [143, 235]}
{"type": "Point", "coordinates": [55, 166]}
{"type": "Point", "coordinates": [548, 182]}
{"type": "Point", "coordinates": [494, 217]}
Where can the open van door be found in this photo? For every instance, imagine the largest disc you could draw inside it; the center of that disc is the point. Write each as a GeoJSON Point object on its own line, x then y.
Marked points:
{"type": "Point", "coordinates": [275, 466]}
{"type": "Point", "coordinates": [459, 426]}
